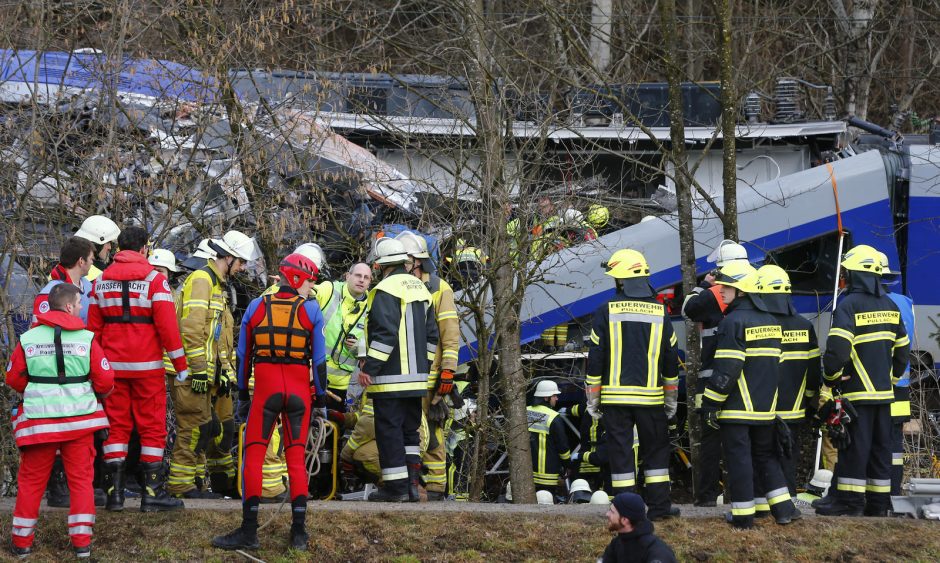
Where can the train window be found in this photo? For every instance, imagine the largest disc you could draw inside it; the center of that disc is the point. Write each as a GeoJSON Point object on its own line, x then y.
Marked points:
{"type": "Point", "coordinates": [812, 263]}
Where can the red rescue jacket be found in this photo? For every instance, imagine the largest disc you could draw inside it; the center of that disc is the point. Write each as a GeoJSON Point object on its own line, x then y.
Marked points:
{"type": "Point", "coordinates": [29, 431]}
{"type": "Point", "coordinates": [135, 328]}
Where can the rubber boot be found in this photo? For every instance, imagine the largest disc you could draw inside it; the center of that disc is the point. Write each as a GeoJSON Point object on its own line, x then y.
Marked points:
{"type": "Point", "coordinates": [57, 492]}
{"type": "Point", "coordinates": [115, 491]}
{"type": "Point", "coordinates": [391, 491]}
{"type": "Point", "coordinates": [246, 535]}
{"type": "Point", "coordinates": [154, 497]}
{"type": "Point", "coordinates": [785, 512]}
{"type": "Point", "coordinates": [298, 526]}
{"type": "Point", "coordinates": [414, 482]}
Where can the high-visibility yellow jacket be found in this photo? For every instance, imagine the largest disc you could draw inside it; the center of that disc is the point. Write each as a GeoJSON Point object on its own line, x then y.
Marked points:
{"type": "Point", "coordinates": [206, 323]}
{"type": "Point", "coordinates": [448, 326]}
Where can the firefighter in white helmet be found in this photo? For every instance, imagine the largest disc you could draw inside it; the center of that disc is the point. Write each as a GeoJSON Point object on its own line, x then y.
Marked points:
{"type": "Point", "coordinates": [102, 232]}
{"type": "Point", "coordinates": [547, 439]}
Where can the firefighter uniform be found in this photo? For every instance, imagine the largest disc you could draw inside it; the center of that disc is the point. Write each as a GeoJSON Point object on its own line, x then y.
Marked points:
{"type": "Point", "coordinates": [133, 316]}
{"type": "Point", "coordinates": [800, 368]}
{"type": "Point", "coordinates": [402, 339]}
{"type": "Point", "coordinates": [361, 450]}
{"type": "Point", "coordinates": [206, 422]}
{"type": "Point", "coordinates": [549, 445]}
{"type": "Point", "coordinates": [594, 459]}
{"type": "Point", "coordinates": [901, 407]}
{"type": "Point", "coordinates": [345, 316]}
{"type": "Point", "coordinates": [866, 353]}
{"type": "Point", "coordinates": [633, 358]}
{"type": "Point", "coordinates": [58, 369]}
{"type": "Point", "coordinates": [705, 308]}
{"type": "Point", "coordinates": [741, 396]}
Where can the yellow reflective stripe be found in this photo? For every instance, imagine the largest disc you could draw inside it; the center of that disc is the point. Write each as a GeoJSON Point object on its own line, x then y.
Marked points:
{"type": "Point", "coordinates": [394, 387]}
{"type": "Point", "coordinates": [444, 315]}
{"type": "Point", "coordinates": [852, 488]}
{"type": "Point", "coordinates": [863, 373]}
{"type": "Point", "coordinates": [593, 380]}
{"type": "Point", "coordinates": [375, 354]}
{"type": "Point", "coordinates": [799, 355]}
{"type": "Point", "coordinates": [746, 415]}
{"type": "Point", "coordinates": [633, 389]}
{"type": "Point", "coordinates": [842, 333]}
{"type": "Point", "coordinates": [652, 354]}
{"type": "Point", "coordinates": [763, 352]}
{"type": "Point", "coordinates": [745, 394]}
{"type": "Point", "coordinates": [565, 456]}
{"type": "Point", "coordinates": [630, 400]}
{"type": "Point", "coordinates": [791, 415]}
{"type": "Point", "coordinates": [673, 341]}
{"type": "Point", "coordinates": [869, 396]}
{"type": "Point", "coordinates": [901, 408]}
{"type": "Point", "coordinates": [715, 395]}
{"type": "Point", "coordinates": [450, 354]}
{"type": "Point", "coordinates": [874, 337]}
{"type": "Point", "coordinates": [749, 511]}
{"type": "Point", "coordinates": [616, 355]}
{"type": "Point", "coordinates": [727, 354]}
{"type": "Point", "coordinates": [594, 338]}
{"type": "Point", "coordinates": [903, 341]}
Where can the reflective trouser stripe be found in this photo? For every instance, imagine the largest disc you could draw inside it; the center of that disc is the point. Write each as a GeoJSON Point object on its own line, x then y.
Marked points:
{"type": "Point", "coordinates": [618, 480]}
{"type": "Point", "coordinates": [742, 508]}
{"type": "Point", "coordinates": [24, 522]}
{"type": "Point", "coordinates": [761, 504]}
{"type": "Point", "coordinates": [656, 476]}
{"type": "Point", "coordinates": [81, 519]}
{"type": "Point", "coordinates": [897, 459]}
{"type": "Point", "coordinates": [393, 473]}
{"type": "Point", "coordinates": [777, 496]}
{"type": "Point", "coordinates": [412, 450]}
{"type": "Point", "coordinates": [112, 448]}
{"type": "Point", "coordinates": [878, 486]}
{"type": "Point", "coordinates": [851, 485]}
{"type": "Point", "coordinates": [151, 451]}
{"type": "Point", "coordinates": [23, 532]}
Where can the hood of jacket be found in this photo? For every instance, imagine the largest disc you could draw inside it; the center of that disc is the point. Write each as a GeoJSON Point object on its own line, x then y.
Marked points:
{"type": "Point", "coordinates": [637, 288]}
{"type": "Point", "coordinates": [128, 265]}
{"type": "Point", "coordinates": [60, 319]}
{"type": "Point", "coordinates": [865, 282]}
{"type": "Point", "coordinates": [778, 303]}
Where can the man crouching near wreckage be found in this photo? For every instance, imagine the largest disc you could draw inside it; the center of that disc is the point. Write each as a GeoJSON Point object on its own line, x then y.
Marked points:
{"type": "Point", "coordinates": [281, 338]}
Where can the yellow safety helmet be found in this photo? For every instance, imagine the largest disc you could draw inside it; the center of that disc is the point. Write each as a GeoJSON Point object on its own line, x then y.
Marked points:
{"type": "Point", "coordinates": [627, 263]}
{"type": "Point", "coordinates": [863, 258]}
{"type": "Point", "coordinates": [598, 215]}
{"type": "Point", "coordinates": [772, 279]}
{"type": "Point", "coordinates": [738, 274]}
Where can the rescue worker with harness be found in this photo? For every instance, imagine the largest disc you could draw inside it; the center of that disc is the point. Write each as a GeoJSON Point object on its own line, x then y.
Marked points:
{"type": "Point", "coordinates": [867, 352]}
{"type": "Point", "coordinates": [441, 378]}
{"type": "Point", "coordinates": [633, 378]}
{"type": "Point", "coordinates": [402, 339]}
{"type": "Point", "coordinates": [740, 398]}
{"type": "Point", "coordinates": [281, 339]}
{"type": "Point", "coordinates": [133, 316]}
{"type": "Point", "coordinates": [344, 311]}
{"type": "Point", "coordinates": [61, 372]}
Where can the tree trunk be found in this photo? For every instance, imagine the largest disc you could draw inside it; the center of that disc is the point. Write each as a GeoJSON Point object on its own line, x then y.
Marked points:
{"type": "Point", "coordinates": [729, 172]}
{"type": "Point", "coordinates": [601, 28]}
{"type": "Point", "coordinates": [683, 184]}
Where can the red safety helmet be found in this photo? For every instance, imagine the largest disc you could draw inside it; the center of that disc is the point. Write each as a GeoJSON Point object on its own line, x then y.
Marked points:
{"type": "Point", "coordinates": [297, 268]}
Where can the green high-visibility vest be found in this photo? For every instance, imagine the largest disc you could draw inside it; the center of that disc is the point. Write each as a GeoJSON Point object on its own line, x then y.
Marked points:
{"type": "Point", "coordinates": [339, 325]}
{"type": "Point", "coordinates": [57, 362]}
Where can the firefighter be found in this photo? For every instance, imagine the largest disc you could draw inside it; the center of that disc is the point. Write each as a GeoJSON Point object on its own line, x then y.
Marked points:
{"type": "Point", "coordinates": [547, 439]}
{"type": "Point", "coordinates": [741, 394]}
{"type": "Point", "coordinates": [101, 232]}
{"type": "Point", "coordinates": [60, 371]}
{"type": "Point", "coordinates": [204, 422]}
{"type": "Point", "coordinates": [547, 239]}
{"type": "Point", "coordinates": [632, 377]}
{"type": "Point", "coordinates": [441, 379]}
{"type": "Point", "coordinates": [281, 340]}
{"type": "Point", "coordinates": [344, 311]}
{"type": "Point", "coordinates": [134, 319]}
{"type": "Point", "coordinates": [705, 308]}
{"type": "Point", "coordinates": [402, 338]}
{"type": "Point", "coordinates": [593, 457]}
{"type": "Point", "coordinates": [901, 407]}
{"type": "Point", "coordinates": [867, 350]}
{"type": "Point", "coordinates": [800, 368]}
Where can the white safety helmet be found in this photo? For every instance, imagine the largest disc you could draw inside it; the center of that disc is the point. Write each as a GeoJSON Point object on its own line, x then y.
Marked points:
{"type": "Point", "coordinates": [727, 252]}
{"type": "Point", "coordinates": [237, 244]}
{"type": "Point", "coordinates": [544, 497]}
{"type": "Point", "coordinates": [204, 250]}
{"type": "Point", "coordinates": [821, 480]}
{"type": "Point", "coordinates": [313, 252]}
{"type": "Point", "coordinates": [415, 245]}
{"type": "Point", "coordinates": [573, 217]}
{"type": "Point", "coordinates": [164, 258]}
{"type": "Point", "coordinates": [547, 388]}
{"type": "Point", "coordinates": [580, 492]}
{"type": "Point", "coordinates": [99, 230]}
{"type": "Point", "coordinates": [389, 252]}
{"type": "Point", "coordinates": [509, 491]}
{"type": "Point", "coordinates": [600, 497]}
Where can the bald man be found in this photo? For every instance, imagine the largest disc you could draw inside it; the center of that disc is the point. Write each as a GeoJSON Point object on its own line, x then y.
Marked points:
{"type": "Point", "coordinates": [344, 312]}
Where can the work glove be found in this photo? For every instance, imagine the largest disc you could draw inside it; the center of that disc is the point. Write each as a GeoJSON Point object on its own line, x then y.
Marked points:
{"type": "Point", "coordinates": [226, 384]}
{"type": "Point", "coordinates": [710, 417]}
{"type": "Point", "coordinates": [438, 412]}
{"type": "Point", "coordinates": [594, 401]}
{"type": "Point", "coordinates": [822, 415]}
{"type": "Point", "coordinates": [445, 382]}
{"type": "Point", "coordinates": [783, 438]}
{"type": "Point", "coordinates": [244, 406]}
{"type": "Point", "coordinates": [200, 383]}
{"type": "Point", "coordinates": [671, 402]}
{"type": "Point", "coordinates": [672, 423]}
{"type": "Point", "coordinates": [839, 436]}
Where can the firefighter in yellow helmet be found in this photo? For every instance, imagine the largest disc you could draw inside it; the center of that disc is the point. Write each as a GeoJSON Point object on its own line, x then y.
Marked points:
{"type": "Point", "coordinates": [633, 378]}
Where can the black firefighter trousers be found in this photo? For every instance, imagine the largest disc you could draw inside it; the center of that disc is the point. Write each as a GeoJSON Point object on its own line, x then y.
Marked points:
{"type": "Point", "coordinates": [862, 477]}
{"type": "Point", "coordinates": [653, 432]}
{"type": "Point", "coordinates": [397, 421]}
{"type": "Point", "coordinates": [746, 447]}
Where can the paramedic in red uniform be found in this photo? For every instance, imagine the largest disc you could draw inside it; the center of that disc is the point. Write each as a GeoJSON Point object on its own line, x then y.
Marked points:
{"type": "Point", "coordinates": [61, 372]}
{"type": "Point", "coordinates": [281, 339]}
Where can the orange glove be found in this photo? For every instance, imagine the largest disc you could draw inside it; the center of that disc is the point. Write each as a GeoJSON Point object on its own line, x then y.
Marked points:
{"type": "Point", "coordinates": [445, 382]}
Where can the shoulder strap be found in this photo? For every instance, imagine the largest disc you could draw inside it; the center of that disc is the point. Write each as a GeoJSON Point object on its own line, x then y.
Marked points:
{"type": "Point", "coordinates": [59, 354]}
{"type": "Point", "coordinates": [212, 274]}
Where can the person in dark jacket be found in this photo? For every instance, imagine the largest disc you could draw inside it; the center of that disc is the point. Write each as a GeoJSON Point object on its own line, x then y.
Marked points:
{"type": "Point", "coordinates": [635, 540]}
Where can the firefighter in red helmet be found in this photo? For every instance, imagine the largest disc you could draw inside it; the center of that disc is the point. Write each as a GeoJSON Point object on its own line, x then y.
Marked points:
{"type": "Point", "coordinates": [281, 339]}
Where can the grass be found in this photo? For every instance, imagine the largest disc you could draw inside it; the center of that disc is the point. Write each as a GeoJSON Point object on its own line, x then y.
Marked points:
{"type": "Point", "coordinates": [408, 537]}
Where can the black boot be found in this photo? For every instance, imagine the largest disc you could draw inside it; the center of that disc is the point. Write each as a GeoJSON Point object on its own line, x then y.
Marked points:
{"type": "Point", "coordinates": [671, 512]}
{"type": "Point", "coordinates": [839, 508]}
{"type": "Point", "coordinates": [785, 512]}
{"type": "Point", "coordinates": [154, 497]}
{"type": "Point", "coordinates": [391, 491]}
{"type": "Point", "coordinates": [414, 482]}
{"type": "Point", "coordinates": [57, 492]}
{"type": "Point", "coordinates": [245, 536]}
{"type": "Point", "coordinates": [298, 526]}
{"type": "Point", "coordinates": [115, 488]}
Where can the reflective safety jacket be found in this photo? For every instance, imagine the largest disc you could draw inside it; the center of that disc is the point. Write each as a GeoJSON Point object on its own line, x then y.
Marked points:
{"type": "Point", "coordinates": [869, 344]}
{"type": "Point", "coordinates": [448, 326]}
{"type": "Point", "coordinates": [402, 337]}
{"type": "Point", "coordinates": [800, 368]}
{"type": "Point", "coordinates": [705, 308]}
{"type": "Point", "coordinates": [633, 352]}
{"type": "Point", "coordinates": [746, 372]}
{"type": "Point", "coordinates": [549, 445]}
{"type": "Point", "coordinates": [133, 316]}
{"type": "Point", "coordinates": [344, 316]}
{"type": "Point", "coordinates": [206, 322]}
{"type": "Point", "coordinates": [59, 369]}
{"type": "Point", "coordinates": [901, 407]}
{"type": "Point", "coordinates": [281, 328]}
{"type": "Point", "coordinates": [593, 441]}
